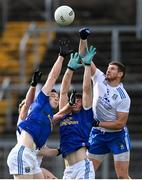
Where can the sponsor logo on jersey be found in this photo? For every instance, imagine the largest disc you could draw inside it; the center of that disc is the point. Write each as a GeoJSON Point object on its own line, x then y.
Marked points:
{"type": "Point", "coordinates": [68, 121]}
{"type": "Point", "coordinates": [114, 97]}
{"type": "Point", "coordinates": [104, 101]}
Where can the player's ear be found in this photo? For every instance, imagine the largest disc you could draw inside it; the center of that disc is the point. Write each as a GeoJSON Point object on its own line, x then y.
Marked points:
{"type": "Point", "coordinates": [120, 74]}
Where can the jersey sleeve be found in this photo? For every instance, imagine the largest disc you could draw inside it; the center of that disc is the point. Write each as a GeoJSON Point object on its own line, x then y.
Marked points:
{"type": "Point", "coordinates": [42, 98]}
{"type": "Point", "coordinates": [97, 75]}
{"type": "Point", "coordinates": [124, 105]}
{"type": "Point", "coordinates": [39, 102]}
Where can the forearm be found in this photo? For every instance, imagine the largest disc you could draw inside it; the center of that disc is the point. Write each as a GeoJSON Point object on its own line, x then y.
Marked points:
{"type": "Point", "coordinates": [114, 125]}
{"type": "Point", "coordinates": [87, 87]}
{"type": "Point", "coordinates": [59, 115]}
{"type": "Point", "coordinates": [65, 85]}
{"type": "Point", "coordinates": [66, 82]}
{"type": "Point", "coordinates": [30, 96]}
{"type": "Point", "coordinates": [93, 68]}
{"type": "Point", "coordinates": [48, 152]}
{"type": "Point", "coordinates": [56, 69]}
{"type": "Point", "coordinates": [65, 110]}
{"type": "Point", "coordinates": [87, 80]}
{"type": "Point", "coordinates": [53, 75]}
{"type": "Point", "coordinates": [82, 46]}
{"type": "Point", "coordinates": [28, 101]}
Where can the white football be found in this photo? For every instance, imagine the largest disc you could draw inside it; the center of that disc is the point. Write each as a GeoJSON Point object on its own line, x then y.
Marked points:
{"type": "Point", "coordinates": [64, 15]}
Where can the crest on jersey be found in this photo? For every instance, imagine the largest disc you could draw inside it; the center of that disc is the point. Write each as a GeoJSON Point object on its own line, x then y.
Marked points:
{"type": "Point", "coordinates": [121, 146]}
{"type": "Point", "coordinates": [27, 169]}
{"type": "Point", "coordinates": [114, 97]}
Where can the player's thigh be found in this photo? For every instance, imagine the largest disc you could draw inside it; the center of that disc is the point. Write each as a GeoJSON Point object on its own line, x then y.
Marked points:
{"type": "Point", "coordinates": [23, 161]}
{"type": "Point", "coordinates": [122, 168]}
{"type": "Point", "coordinates": [47, 174]}
{"type": "Point", "coordinates": [121, 163]}
{"type": "Point", "coordinates": [96, 159]}
{"type": "Point", "coordinates": [26, 176]}
{"type": "Point", "coordinates": [38, 176]}
{"type": "Point", "coordinates": [97, 149]}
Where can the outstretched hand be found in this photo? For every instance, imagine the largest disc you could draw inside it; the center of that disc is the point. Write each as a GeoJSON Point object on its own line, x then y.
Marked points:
{"type": "Point", "coordinates": [36, 78]}
{"type": "Point", "coordinates": [90, 52]}
{"type": "Point", "coordinates": [64, 48]}
{"type": "Point", "coordinates": [74, 62]}
{"type": "Point", "coordinates": [72, 97]}
{"type": "Point", "coordinates": [84, 33]}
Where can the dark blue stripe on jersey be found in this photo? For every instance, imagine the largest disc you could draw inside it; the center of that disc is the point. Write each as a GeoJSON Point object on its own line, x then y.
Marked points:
{"type": "Point", "coordinates": [18, 129]}
{"type": "Point", "coordinates": [122, 94]}
{"type": "Point", "coordinates": [20, 163]}
{"type": "Point", "coordinates": [87, 169]}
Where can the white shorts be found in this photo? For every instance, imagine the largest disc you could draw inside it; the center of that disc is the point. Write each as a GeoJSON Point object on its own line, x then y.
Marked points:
{"type": "Point", "coordinates": [81, 170]}
{"type": "Point", "coordinates": [22, 160]}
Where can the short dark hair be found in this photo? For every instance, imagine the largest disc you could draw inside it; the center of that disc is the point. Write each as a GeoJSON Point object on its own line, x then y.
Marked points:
{"type": "Point", "coordinates": [54, 90]}
{"type": "Point", "coordinates": [78, 95]}
{"type": "Point", "coordinates": [121, 67]}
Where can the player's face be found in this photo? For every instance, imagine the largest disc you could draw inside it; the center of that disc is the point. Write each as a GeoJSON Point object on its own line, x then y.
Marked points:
{"type": "Point", "coordinates": [78, 105]}
{"type": "Point", "coordinates": [54, 100]}
{"type": "Point", "coordinates": [112, 73]}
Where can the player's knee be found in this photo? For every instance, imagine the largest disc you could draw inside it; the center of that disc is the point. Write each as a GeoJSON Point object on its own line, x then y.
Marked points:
{"type": "Point", "coordinates": [122, 175]}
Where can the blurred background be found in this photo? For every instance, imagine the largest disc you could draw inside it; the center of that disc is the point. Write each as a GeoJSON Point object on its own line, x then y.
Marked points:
{"type": "Point", "coordinates": [29, 38]}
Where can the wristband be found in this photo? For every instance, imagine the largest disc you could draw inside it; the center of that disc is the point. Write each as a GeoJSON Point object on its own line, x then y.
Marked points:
{"type": "Point", "coordinates": [59, 151]}
{"type": "Point", "coordinates": [71, 68]}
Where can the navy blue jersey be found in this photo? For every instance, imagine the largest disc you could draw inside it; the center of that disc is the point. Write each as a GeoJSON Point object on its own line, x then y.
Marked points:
{"type": "Point", "coordinates": [38, 123]}
{"type": "Point", "coordinates": [74, 131]}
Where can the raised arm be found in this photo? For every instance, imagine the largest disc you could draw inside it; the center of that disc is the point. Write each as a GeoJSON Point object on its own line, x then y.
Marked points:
{"type": "Point", "coordinates": [53, 75]}
{"type": "Point", "coordinates": [83, 44]}
{"type": "Point", "coordinates": [66, 81]}
{"type": "Point", "coordinates": [23, 110]}
{"type": "Point", "coordinates": [66, 109]}
{"type": "Point", "coordinates": [56, 69]}
{"type": "Point", "coordinates": [87, 86]}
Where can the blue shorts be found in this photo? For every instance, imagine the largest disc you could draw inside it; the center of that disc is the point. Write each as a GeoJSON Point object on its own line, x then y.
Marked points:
{"type": "Point", "coordinates": [109, 142]}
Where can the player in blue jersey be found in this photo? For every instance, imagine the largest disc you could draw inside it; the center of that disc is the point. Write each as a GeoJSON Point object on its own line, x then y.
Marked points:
{"type": "Point", "coordinates": [37, 126]}
{"type": "Point", "coordinates": [75, 126]}
{"type": "Point", "coordinates": [24, 109]}
{"type": "Point", "coordinates": [111, 105]}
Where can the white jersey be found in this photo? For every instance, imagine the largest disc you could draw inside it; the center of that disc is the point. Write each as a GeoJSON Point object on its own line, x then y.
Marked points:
{"type": "Point", "coordinates": [108, 100]}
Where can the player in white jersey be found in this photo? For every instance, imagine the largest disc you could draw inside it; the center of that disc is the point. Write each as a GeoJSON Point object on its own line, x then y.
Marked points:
{"type": "Point", "coordinates": [111, 105]}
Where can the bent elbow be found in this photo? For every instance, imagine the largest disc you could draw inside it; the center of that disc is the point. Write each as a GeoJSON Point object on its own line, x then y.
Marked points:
{"type": "Point", "coordinates": [120, 126]}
